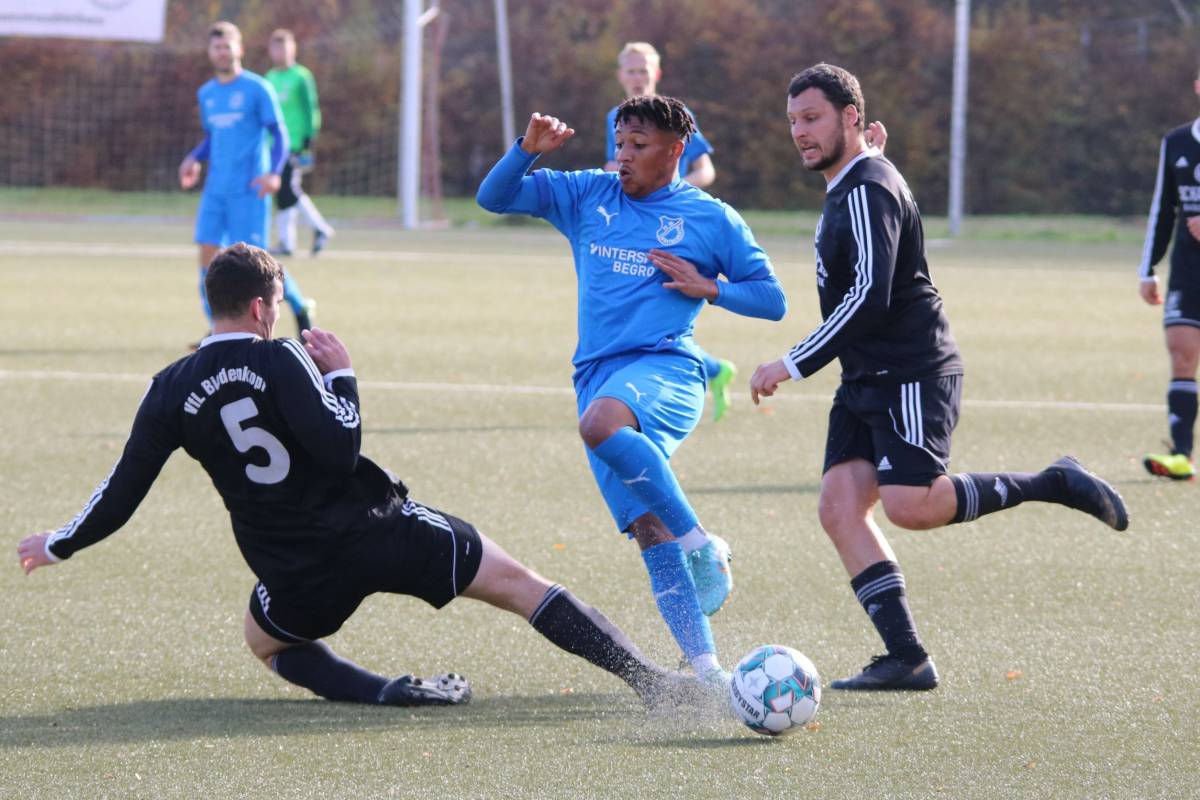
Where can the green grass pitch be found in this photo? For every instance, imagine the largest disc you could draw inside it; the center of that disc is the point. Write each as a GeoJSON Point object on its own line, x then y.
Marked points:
{"type": "Point", "coordinates": [1068, 651]}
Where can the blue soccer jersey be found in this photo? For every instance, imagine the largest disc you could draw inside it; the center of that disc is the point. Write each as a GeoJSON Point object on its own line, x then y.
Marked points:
{"type": "Point", "coordinates": [623, 306]}
{"type": "Point", "coordinates": [696, 146]}
{"type": "Point", "coordinates": [236, 117]}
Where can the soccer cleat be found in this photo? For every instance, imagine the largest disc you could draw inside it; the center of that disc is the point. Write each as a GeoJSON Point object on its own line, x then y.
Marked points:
{"type": "Point", "coordinates": [443, 690]}
{"type": "Point", "coordinates": [720, 385]}
{"type": "Point", "coordinates": [890, 674]}
{"type": "Point", "coordinates": [1175, 466]}
{"type": "Point", "coordinates": [711, 573]}
{"type": "Point", "coordinates": [320, 239]}
{"type": "Point", "coordinates": [280, 251]}
{"type": "Point", "coordinates": [304, 317]}
{"type": "Point", "coordinates": [1090, 493]}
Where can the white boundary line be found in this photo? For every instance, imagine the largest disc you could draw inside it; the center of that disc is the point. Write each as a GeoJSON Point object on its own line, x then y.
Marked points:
{"type": "Point", "coordinates": [565, 391]}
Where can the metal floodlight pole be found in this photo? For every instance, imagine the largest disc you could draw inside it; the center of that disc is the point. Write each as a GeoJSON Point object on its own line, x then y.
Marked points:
{"type": "Point", "coordinates": [958, 113]}
{"type": "Point", "coordinates": [408, 177]}
{"type": "Point", "coordinates": [504, 60]}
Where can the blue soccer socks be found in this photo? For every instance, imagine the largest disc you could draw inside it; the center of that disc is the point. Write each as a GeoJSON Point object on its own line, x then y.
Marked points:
{"type": "Point", "coordinates": [291, 293]}
{"type": "Point", "coordinates": [675, 595]}
{"type": "Point", "coordinates": [644, 469]}
{"type": "Point", "coordinates": [204, 296]}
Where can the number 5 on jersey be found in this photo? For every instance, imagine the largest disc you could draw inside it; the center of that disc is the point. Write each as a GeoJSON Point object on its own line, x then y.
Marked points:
{"type": "Point", "coordinates": [246, 439]}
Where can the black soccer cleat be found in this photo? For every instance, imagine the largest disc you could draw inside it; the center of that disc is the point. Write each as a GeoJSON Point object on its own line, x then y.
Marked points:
{"type": "Point", "coordinates": [320, 239]}
{"type": "Point", "coordinates": [443, 690]}
{"type": "Point", "coordinates": [890, 674]}
{"type": "Point", "coordinates": [1088, 492]}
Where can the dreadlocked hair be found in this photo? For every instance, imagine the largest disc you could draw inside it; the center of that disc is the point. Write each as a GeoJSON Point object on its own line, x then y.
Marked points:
{"type": "Point", "coordinates": [664, 113]}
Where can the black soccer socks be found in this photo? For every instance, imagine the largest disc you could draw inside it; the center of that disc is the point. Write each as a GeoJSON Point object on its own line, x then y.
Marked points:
{"type": "Point", "coordinates": [318, 669]}
{"type": "Point", "coordinates": [583, 631]}
{"type": "Point", "coordinates": [880, 589]}
{"type": "Point", "coordinates": [1181, 413]}
{"type": "Point", "coordinates": [980, 493]}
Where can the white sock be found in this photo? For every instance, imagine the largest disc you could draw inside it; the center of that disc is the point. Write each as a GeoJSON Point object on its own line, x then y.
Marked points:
{"type": "Point", "coordinates": [705, 663]}
{"type": "Point", "coordinates": [285, 224]}
{"type": "Point", "coordinates": [313, 217]}
{"type": "Point", "coordinates": [693, 540]}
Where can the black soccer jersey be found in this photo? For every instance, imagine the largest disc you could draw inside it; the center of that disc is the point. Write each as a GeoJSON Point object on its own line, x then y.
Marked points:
{"type": "Point", "coordinates": [280, 443]}
{"type": "Point", "coordinates": [1176, 190]}
{"type": "Point", "coordinates": [883, 318]}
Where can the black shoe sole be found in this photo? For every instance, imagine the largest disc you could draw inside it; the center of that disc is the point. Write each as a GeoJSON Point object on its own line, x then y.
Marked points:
{"type": "Point", "coordinates": [923, 677]}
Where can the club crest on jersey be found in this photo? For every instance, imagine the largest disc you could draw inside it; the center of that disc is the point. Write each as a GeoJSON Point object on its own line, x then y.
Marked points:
{"type": "Point", "coordinates": [236, 99]}
{"type": "Point", "coordinates": [670, 231]}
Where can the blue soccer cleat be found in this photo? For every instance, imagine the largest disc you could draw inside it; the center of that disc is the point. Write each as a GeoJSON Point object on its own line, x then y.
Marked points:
{"type": "Point", "coordinates": [711, 573]}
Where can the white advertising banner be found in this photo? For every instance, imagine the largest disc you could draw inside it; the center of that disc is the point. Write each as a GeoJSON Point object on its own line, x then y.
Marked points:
{"type": "Point", "coordinates": [132, 20]}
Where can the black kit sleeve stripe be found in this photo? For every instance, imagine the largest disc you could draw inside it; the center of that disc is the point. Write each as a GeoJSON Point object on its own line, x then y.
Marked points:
{"type": "Point", "coordinates": [825, 337]}
{"type": "Point", "coordinates": [150, 444]}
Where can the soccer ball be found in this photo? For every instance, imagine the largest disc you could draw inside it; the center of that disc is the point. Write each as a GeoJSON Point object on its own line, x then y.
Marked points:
{"type": "Point", "coordinates": [775, 689]}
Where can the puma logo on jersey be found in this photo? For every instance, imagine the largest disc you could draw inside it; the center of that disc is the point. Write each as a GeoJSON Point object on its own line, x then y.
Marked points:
{"type": "Point", "coordinates": [639, 479]}
{"type": "Point", "coordinates": [607, 216]}
{"type": "Point", "coordinates": [1002, 491]}
{"type": "Point", "coordinates": [637, 398]}
{"type": "Point", "coordinates": [666, 592]}
{"type": "Point", "coordinates": [884, 464]}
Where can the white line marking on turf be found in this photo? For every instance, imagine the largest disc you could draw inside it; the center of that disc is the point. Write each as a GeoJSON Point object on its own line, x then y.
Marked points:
{"type": "Point", "coordinates": [564, 391]}
{"type": "Point", "coordinates": [182, 251]}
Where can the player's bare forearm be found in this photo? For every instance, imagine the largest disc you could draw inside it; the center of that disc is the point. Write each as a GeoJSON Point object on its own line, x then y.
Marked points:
{"type": "Point", "coordinates": [702, 174]}
{"type": "Point", "coordinates": [31, 552]}
{"type": "Point", "coordinates": [545, 134]}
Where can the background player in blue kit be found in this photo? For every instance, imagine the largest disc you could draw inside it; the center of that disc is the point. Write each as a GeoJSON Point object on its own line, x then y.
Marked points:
{"type": "Point", "coordinates": [648, 251]}
{"type": "Point", "coordinates": [638, 72]}
{"type": "Point", "coordinates": [246, 147]}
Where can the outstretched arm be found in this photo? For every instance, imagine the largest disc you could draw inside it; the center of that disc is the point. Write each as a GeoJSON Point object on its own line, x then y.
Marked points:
{"type": "Point", "coordinates": [507, 189]}
{"type": "Point", "coordinates": [150, 443]}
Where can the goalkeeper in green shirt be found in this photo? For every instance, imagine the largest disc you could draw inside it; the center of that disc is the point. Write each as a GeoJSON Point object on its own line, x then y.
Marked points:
{"type": "Point", "coordinates": [297, 92]}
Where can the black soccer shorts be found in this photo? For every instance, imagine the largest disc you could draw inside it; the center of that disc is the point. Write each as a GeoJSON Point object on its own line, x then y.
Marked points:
{"type": "Point", "coordinates": [902, 428]}
{"type": "Point", "coordinates": [1182, 307]}
{"type": "Point", "coordinates": [413, 550]}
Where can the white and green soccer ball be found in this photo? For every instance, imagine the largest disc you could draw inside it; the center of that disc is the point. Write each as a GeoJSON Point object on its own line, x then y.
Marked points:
{"type": "Point", "coordinates": [775, 689]}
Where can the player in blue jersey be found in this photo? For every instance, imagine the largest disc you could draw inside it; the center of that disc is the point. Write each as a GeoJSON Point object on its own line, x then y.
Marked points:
{"type": "Point", "coordinates": [648, 250]}
{"type": "Point", "coordinates": [246, 147]}
{"type": "Point", "coordinates": [638, 72]}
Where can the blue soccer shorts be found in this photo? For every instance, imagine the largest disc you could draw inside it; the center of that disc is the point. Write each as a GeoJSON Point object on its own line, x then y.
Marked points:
{"type": "Point", "coordinates": [223, 219]}
{"type": "Point", "coordinates": [665, 392]}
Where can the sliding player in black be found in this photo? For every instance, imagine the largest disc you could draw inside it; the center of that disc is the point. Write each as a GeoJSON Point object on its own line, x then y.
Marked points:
{"type": "Point", "coordinates": [892, 416]}
{"type": "Point", "coordinates": [275, 424]}
{"type": "Point", "coordinates": [1176, 209]}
